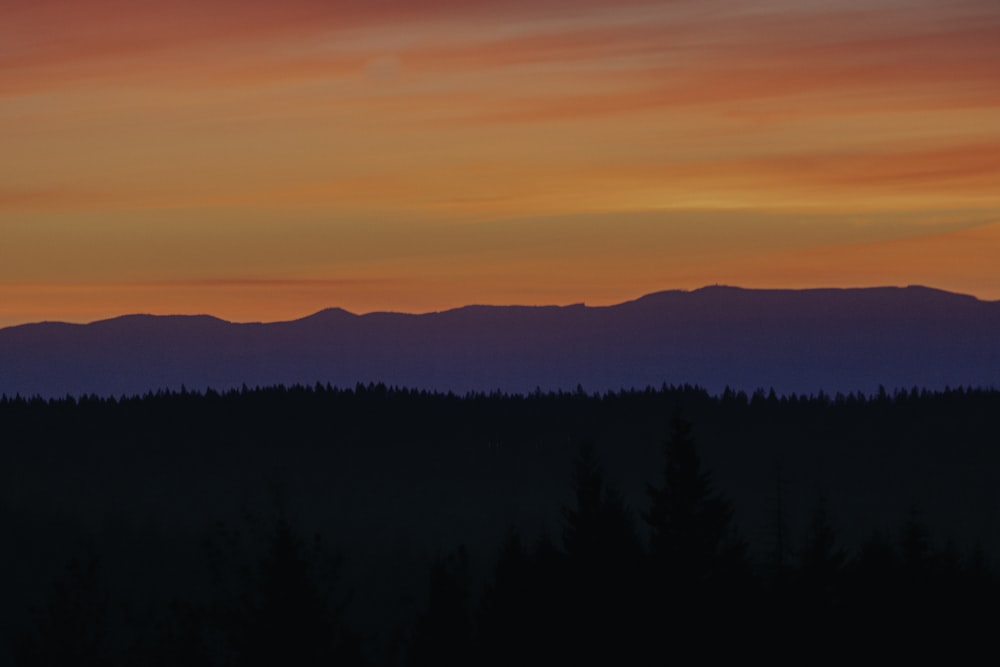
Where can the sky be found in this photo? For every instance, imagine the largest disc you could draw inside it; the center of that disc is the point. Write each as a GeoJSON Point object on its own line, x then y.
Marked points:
{"type": "Point", "coordinates": [260, 160]}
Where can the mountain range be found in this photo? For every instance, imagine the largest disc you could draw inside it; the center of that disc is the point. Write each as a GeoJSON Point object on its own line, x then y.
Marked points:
{"type": "Point", "coordinates": [794, 341]}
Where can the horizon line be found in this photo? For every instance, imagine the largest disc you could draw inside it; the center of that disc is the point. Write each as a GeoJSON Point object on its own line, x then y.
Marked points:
{"type": "Point", "coordinates": [497, 305]}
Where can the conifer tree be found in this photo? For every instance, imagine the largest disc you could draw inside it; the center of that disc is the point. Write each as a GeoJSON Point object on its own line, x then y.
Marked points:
{"type": "Point", "coordinates": [286, 618]}
{"type": "Point", "coordinates": [599, 528]}
{"type": "Point", "coordinates": [821, 564]}
{"type": "Point", "coordinates": [71, 630]}
{"type": "Point", "coordinates": [443, 633]}
{"type": "Point", "coordinates": [698, 577]}
{"type": "Point", "coordinates": [689, 523]}
{"type": "Point", "coordinates": [602, 557]}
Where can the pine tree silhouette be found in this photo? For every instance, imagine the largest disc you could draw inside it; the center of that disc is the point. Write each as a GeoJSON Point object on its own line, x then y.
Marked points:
{"type": "Point", "coordinates": [582, 530]}
{"type": "Point", "coordinates": [443, 633]}
{"type": "Point", "coordinates": [523, 610]}
{"type": "Point", "coordinates": [598, 530]}
{"type": "Point", "coordinates": [821, 563]}
{"type": "Point", "coordinates": [505, 616]}
{"type": "Point", "coordinates": [71, 630]}
{"type": "Point", "coordinates": [603, 557]}
{"type": "Point", "coordinates": [184, 641]}
{"type": "Point", "coordinates": [286, 619]}
{"type": "Point", "coordinates": [698, 576]}
{"type": "Point", "coordinates": [816, 618]}
{"type": "Point", "coordinates": [690, 525]}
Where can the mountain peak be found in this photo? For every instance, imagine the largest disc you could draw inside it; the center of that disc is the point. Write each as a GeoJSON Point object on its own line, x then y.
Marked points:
{"type": "Point", "coordinates": [329, 315]}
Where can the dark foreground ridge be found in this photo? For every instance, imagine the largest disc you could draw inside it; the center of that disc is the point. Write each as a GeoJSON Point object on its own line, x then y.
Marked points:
{"type": "Point", "coordinates": [800, 341]}
{"type": "Point", "coordinates": [373, 525]}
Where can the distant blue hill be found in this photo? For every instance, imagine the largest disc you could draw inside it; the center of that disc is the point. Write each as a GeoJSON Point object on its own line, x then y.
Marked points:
{"type": "Point", "coordinates": [802, 341]}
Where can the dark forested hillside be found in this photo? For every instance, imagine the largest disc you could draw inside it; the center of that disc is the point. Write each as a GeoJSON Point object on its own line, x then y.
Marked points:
{"type": "Point", "coordinates": [394, 518]}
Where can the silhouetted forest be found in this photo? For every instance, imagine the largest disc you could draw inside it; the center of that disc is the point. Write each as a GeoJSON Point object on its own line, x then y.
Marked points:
{"type": "Point", "coordinates": [385, 526]}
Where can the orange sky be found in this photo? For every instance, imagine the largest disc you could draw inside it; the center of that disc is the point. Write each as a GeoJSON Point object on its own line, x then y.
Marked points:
{"type": "Point", "coordinates": [260, 160]}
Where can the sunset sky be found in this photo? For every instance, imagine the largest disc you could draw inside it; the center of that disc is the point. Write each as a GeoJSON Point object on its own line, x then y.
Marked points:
{"type": "Point", "coordinates": [264, 159]}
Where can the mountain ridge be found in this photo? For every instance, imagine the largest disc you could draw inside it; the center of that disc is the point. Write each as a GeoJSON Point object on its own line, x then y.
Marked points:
{"type": "Point", "coordinates": [801, 341]}
{"type": "Point", "coordinates": [337, 311]}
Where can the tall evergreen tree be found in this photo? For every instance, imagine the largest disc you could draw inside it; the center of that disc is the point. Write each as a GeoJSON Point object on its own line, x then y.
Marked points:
{"type": "Point", "coordinates": [598, 530]}
{"type": "Point", "coordinates": [690, 525]}
{"type": "Point", "coordinates": [286, 618]}
{"type": "Point", "coordinates": [443, 633]}
{"type": "Point", "coordinates": [581, 533]}
{"type": "Point", "coordinates": [602, 554]}
{"type": "Point", "coordinates": [698, 574]}
{"type": "Point", "coordinates": [821, 561]}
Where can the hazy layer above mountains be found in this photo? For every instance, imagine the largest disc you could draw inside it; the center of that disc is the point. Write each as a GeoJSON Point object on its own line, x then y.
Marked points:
{"type": "Point", "coordinates": [803, 341]}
